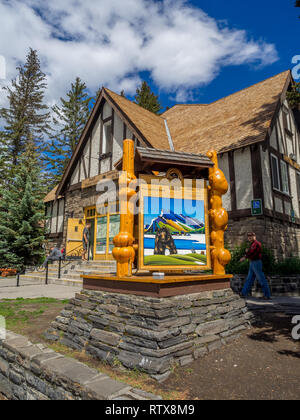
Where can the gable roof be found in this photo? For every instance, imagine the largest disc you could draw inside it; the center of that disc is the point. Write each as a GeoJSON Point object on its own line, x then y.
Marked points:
{"type": "Point", "coordinates": [51, 196]}
{"type": "Point", "coordinates": [149, 128]}
{"type": "Point", "coordinates": [152, 126]}
{"type": "Point", "coordinates": [238, 120]}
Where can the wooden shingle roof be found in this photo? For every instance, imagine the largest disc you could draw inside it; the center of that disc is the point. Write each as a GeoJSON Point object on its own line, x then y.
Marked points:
{"type": "Point", "coordinates": [152, 126]}
{"type": "Point", "coordinates": [51, 196]}
{"type": "Point", "coordinates": [238, 120]}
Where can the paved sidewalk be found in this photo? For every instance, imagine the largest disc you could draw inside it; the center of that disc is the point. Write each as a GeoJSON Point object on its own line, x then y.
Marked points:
{"type": "Point", "coordinates": [284, 304]}
{"type": "Point", "coordinates": [32, 292]}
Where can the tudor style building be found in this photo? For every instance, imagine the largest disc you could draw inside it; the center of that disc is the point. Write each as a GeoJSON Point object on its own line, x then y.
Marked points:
{"type": "Point", "coordinates": [257, 138]}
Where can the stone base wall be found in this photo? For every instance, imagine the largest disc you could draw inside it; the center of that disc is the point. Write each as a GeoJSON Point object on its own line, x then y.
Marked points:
{"type": "Point", "coordinates": [279, 285]}
{"type": "Point", "coordinates": [281, 237]}
{"type": "Point", "coordinates": [151, 334]}
{"type": "Point", "coordinates": [34, 372]}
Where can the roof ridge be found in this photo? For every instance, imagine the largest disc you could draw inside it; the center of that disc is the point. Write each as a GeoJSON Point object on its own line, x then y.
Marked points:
{"type": "Point", "coordinates": [231, 94]}
{"type": "Point", "coordinates": [132, 102]}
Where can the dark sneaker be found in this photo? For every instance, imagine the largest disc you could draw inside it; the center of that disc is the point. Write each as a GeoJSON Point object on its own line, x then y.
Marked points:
{"type": "Point", "coordinates": [266, 298]}
{"type": "Point", "coordinates": [243, 296]}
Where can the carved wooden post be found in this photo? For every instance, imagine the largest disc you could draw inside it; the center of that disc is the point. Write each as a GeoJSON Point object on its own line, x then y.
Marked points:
{"type": "Point", "coordinates": [124, 251]}
{"type": "Point", "coordinates": [218, 216]}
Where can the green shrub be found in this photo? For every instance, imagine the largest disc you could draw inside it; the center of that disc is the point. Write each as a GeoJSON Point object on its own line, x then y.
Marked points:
{"type": "Point", "coordinates": [237, 267]}
{"type": "Point", "coordinates": [288, 266]}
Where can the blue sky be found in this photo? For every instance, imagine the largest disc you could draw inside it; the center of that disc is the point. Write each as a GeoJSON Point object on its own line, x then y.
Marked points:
{"type": "Point", "coordinates": [274, 21]}
{"type": "Point", "coordinates": [191, 208]}
{"type": "Point", "coordinates": [189, 51]}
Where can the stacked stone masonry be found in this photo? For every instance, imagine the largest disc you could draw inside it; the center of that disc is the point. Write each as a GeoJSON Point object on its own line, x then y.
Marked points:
{"type": "Point", "coordinates": [279, 285]}
{"type": "Point", "coordinates": [151, 334]}
{"type": "Point", "coordinates": [34, 372]}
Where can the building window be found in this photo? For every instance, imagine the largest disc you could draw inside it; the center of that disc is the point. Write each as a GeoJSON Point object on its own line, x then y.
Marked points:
{"type": "Point", "coordinates": [298, 185]}
{"type": "Point", "coordinates": [107, 138]}
{"type": "Point", "coordinates": [284, 177]}
{"type": "Point", "coordinates": [275, 173]}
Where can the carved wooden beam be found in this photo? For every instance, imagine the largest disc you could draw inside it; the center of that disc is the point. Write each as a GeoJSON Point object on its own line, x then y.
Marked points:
{"type": "Point", "coordinates": [218, 216]}
{"type": "Point", "coordinates": [124, 252]}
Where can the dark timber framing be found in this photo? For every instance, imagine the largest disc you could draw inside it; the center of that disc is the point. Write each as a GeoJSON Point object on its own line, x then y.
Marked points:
{"type": "Point", "coordinates": [232, 181]}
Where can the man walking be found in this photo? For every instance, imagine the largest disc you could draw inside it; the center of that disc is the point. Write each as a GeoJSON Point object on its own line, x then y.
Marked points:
{"type": "Point", "coordinates": [254, 255]}
{"type": "Point", "coordinates": [86, 240]}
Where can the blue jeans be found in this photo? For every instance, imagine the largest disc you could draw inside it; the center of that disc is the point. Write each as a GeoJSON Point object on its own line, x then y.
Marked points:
{"type": "Point", "coordinates": [255, 271]}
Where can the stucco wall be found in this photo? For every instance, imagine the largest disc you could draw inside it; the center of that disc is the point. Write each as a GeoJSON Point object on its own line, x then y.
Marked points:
{"type": "Point", "coordinates": [117, 139]}
{"type": "Point", "coordinates": [95, 142]}
{"type": "Point", "coordinates": [224, 166]}
{"type": "Point", "coordinates": [243, 178]}
{"type": "Point", "coordinates": [267, 179]}
{"type": "Point", "coordinates": [294, 191]}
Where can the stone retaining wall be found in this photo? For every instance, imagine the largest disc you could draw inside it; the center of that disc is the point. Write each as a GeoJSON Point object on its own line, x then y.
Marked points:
{"type": "Point", "coordinates": [35, 372]}
{"type": "Point", "coordinates": [279, 285]}
{"type": "Point", "coordinates": [151, 334]}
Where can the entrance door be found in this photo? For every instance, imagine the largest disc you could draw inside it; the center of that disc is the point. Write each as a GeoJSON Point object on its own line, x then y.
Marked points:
{"type": "Point", "coordinates": [92, 238]}
{"type": "Point", "coordinates": [74, 237]}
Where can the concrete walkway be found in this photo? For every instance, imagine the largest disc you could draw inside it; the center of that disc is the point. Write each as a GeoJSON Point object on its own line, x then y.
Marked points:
{"type": "Point", "coordinates": [31, 292]}
{"type": "Point", "coordinates": [283, 304]}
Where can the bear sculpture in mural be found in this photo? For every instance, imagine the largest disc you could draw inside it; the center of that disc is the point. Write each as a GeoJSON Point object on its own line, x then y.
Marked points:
{"type": "Point", "coordinates": [164, 241]}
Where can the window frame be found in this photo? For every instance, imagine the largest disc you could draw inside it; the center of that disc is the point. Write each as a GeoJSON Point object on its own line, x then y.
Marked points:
{"type": "Point", "coordinates": [286, 181]}
{"type": "Point", "coordinates": [278, 173]}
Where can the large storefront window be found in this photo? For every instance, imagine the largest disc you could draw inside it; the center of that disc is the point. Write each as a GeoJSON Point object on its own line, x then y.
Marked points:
{"type": "Point", "coordinates": [114, 229]}
{"type": "Point", "coordinates": [101, 236]}
{"type": "Point", "coordinates": [105, 227]}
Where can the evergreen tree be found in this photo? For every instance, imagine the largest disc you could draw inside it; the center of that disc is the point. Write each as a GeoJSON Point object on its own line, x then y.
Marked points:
{"type": "Point", "coordinates": [70, 118]}
{"type": "Point", "coordinates": [3, 160]}
{"type": "Point", "coordinates": [22, 214]}
{"type": "Point", "coordinates": [146, 99]}
{"type": "Point", "coordinates": [293, 96]}
{"type": "Point", "coordinates": [27, 117]}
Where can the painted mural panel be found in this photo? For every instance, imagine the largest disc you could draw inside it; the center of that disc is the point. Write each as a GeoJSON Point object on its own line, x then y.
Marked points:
{"type": "Point", "coordinates": [174, 233]}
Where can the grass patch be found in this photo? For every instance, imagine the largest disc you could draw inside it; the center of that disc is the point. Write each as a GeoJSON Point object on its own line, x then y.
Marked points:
{"type": "Point", "coordinates": [189, 259]}
{"type": "Point", "coordinates": [21, 313]}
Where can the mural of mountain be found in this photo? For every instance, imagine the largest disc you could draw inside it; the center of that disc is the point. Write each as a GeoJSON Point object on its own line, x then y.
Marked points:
{"type": "Point", "coordinates": [177, 224]}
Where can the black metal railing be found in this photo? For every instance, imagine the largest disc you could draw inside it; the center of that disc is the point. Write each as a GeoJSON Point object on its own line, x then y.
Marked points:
{"type": "Point", "coordinates": [67, 258]}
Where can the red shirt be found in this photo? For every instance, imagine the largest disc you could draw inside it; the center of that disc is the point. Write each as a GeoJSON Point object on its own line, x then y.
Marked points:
{"type": "Point", "coordinates": [254, 252]}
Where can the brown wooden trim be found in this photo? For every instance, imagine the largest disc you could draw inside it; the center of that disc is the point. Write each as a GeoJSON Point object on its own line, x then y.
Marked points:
{"type": "Point", "coordinates": [57, 213]}
{"type": "Point", "coordinates": [124, 131]}
{"type": "Point", "coordinates": [51, 216]}
{"type": "Point", "coordinates": [108, 119]}
{"type": "Point", "coordinates": [111, 147]}
{"type": "Point", "coordinates": [257, 179]}
{"type": "Point", "coordinates": [90, 155]}
{"type": "Point", "coordinates": [127, 120]}
{"type": "Point", "coordinates": [63, 224]}
{"type": "Point", "coordinates": [85, 174]}
{"type": "Point", "coordinates": [101, 142]}
{"type": "Point", "coordinates": [54, 235]}
{"type": "Point", "coordinates": [79, 169]}
{"type": "Point", "coordinates": [232, 180]}
{"type": "Point", "coordinates": [237, 214]}
{"type": "Point", "coordinates": [75, 187]}
{"type": "Point", "coordinates": [150, 287]}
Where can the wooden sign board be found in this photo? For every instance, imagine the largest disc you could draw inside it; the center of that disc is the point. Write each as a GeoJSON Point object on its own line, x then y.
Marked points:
{"type": "Point", "coordinates": [173, 226]}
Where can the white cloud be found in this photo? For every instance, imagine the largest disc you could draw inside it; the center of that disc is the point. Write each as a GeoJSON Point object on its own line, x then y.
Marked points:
{"type": "Point", "coordinates": [110, 42]}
